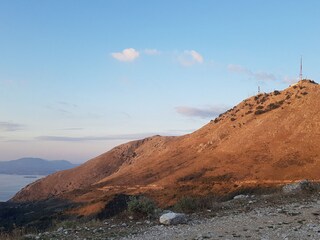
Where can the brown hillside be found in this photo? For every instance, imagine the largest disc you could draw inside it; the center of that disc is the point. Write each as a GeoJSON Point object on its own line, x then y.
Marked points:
{"type": "Point", "coordinates": [266, 139]}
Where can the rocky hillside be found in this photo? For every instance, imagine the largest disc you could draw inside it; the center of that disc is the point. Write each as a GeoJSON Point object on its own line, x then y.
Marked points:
{"type": "Point", "coordinates": [268, 139]}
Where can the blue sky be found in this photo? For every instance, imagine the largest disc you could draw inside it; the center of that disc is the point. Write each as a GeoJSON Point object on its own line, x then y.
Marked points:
{"type": "Point", "coordinates": [79, 77]}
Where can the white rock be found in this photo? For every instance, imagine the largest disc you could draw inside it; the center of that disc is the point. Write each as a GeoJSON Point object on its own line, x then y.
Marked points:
{"type": "Point", "coordinates": [241, 196]}
{"type": "Point", "coordinates": [173, 218]}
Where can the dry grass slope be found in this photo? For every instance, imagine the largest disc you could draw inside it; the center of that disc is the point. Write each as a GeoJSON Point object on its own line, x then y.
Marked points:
{"type": "Point", "coordinates": [265, 140]}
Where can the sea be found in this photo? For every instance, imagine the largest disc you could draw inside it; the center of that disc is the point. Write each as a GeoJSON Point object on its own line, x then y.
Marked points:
{"type": "Point", "coordinates": [11, 184]}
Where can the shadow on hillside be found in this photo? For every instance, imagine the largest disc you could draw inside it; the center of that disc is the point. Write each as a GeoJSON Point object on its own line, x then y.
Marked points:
{"type": "Point", "coordinates": [32, 215]}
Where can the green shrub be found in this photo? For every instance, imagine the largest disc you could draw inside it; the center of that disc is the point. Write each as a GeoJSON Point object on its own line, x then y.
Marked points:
{"type": "Point", "coordinates": [196, 204]}
{"type": "Point", "coordinates": [186, 204]}
{"type": "Point", "coordinates": [140, 205]}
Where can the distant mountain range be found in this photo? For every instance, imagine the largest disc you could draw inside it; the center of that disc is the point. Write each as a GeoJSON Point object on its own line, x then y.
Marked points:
{"type": "Point", "coordinates": [34, 166]}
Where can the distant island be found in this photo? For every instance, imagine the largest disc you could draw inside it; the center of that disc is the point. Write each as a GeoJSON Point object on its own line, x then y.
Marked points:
{"type": "Point", "coordinates": [34, 166]}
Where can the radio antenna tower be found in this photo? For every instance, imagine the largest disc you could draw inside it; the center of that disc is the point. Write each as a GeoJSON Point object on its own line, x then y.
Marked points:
{"type": "Point", "coordinates": [300, 76]}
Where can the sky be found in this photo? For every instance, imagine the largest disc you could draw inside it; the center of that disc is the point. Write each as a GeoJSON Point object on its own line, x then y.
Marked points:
{"type": "Point", "coordinates": [78, 77]}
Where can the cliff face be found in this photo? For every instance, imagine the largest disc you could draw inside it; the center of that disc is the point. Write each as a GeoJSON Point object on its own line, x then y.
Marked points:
{"type": "Point", "coordinates": [266, 139]}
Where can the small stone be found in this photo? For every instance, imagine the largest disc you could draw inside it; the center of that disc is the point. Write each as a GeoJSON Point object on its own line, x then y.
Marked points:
{"type": "Point", "coordinates": [293, 213]}
{"type": "Point", "coordinates": [241, 196]}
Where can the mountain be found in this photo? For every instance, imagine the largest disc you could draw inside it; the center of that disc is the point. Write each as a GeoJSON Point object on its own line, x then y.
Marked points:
{"type": "Point", "coordinates": [33, 166]}
{"type": "Point", "coordinates": [267, 139]}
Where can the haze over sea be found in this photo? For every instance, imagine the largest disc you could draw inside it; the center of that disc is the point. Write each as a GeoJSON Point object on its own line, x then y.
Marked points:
{"type": "Point", "coordinates": [11, 184]}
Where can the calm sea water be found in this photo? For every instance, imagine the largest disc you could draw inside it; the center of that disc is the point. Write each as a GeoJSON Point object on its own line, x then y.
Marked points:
{"type": "Point", "coordinates": [11, 184]}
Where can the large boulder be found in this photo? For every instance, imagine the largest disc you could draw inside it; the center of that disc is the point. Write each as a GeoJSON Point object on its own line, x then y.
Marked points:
{"type": "Point", "coordinates": [304, 185]}
{"type": "Point", "coordinates": [172, 218]}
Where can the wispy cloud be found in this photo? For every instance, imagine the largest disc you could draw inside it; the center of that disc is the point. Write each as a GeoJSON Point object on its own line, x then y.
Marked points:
{"type": "Point", "coordinates": [95, 138]}
{"type": "Point", "coordinates": [152, 52]}
{"type": "Point", "coordinates": [190, 57]}
{"type": "Point", "coordinates": [11, 127]}
{"type": "Point", "coordinates": [207, 112]}
{"type": "Point", "coordinates": [67, 104]}
{"type": "Point", "coordinates": [70, 110]}
{"type": "Point", "coordinates": [127, 55]}
{"type": "Point", "coordinates": [290, 80]}
{"type": "Point", "coordinates": [260, 76]}
{"type": "Point", "coordinates": [72, 129]}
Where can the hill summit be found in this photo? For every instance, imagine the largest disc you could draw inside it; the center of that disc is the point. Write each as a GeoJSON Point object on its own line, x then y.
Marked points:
{"type": "Point", "coordinates": [267, 139]}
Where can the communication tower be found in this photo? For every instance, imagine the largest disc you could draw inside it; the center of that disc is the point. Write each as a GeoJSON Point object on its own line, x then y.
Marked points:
{"type": "Point", "coordinates": [300, 76]}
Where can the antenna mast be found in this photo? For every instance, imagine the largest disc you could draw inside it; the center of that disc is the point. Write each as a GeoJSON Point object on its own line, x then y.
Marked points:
{"type": "Point", "coordinates": [300, 76]}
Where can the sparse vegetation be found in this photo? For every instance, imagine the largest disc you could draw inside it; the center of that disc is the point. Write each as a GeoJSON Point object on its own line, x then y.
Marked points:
{"type": "Point", "coordinates": [249, 112]}
{"type": "Point", "coordinates": [270, 107]}
{"type": "Point", "coordinates": [141, 206]}
{"type": "Point", "coordinates": [273, 106]}
{"type": "Point", "coordinates": [186, 205]}
{"type": "Point", "coordinates": [14, 235]}
{"type": "Point", "coordinates": [254, 190]}
{"type": "Point", "coordinates": [260, 111]}
{"type": "Point", "coordinates": [311, 81]}
{"type": "Point", "coordinates": [276, 92]}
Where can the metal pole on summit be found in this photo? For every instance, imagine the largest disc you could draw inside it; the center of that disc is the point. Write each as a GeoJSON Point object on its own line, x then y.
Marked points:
{"type": "Point", "coordinates": [300, 76]}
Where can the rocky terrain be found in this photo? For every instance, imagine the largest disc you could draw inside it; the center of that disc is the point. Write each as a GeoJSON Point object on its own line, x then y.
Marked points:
{"type": "Point", "coordinates": [266, 140]}
{"type": "Point", "coordinates": [275, 216]}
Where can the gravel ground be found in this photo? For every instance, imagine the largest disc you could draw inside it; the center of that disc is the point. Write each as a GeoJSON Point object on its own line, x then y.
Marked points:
{"type": "Point", "coordinates": [264, 217]}
{"type": "Point", "coordinates": [291, 221]}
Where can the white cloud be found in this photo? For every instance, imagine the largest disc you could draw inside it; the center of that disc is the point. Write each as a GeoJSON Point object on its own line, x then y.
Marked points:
{"type": "Point", "coordinates": [260, 76]}
{"type": "Point", "coordinates": [208, 112]}
{"type": "Point", "coordinates": [127, 55]}
{"type": "Point", "coordinates": [190, 57]}
{"type": "Point", "coordinates": [152, 52]}
{"type": "Point", "coordinates": [196, 56]}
